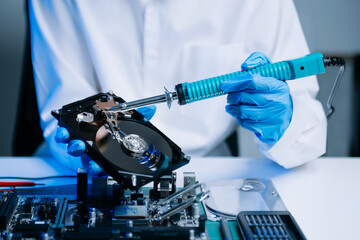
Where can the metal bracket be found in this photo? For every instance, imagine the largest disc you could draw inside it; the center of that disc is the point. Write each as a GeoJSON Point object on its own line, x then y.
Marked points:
{"type": "Point", "coordinates": [175, 203]}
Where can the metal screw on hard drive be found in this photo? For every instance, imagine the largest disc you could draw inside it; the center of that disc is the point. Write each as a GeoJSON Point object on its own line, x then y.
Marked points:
{"type": "Point", "coordinates": [246, 188]}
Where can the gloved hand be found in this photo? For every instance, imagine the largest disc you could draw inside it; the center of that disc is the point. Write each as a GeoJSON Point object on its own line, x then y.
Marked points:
{"type": "Point", "coordinates": [77, 147]}
{"type": "Point", "coordinates": [262, 105]}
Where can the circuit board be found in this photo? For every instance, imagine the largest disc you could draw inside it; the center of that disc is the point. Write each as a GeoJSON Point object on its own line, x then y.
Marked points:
{"type": "Point", "coordinates": [105, 210]}
{"type": "Point", "coordinates": [56, 213]}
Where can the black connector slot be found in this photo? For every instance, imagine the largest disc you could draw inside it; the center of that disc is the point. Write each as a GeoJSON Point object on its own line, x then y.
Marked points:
{"type": "Point", "coordinates": [269, 225]}
{"type": "Point", "coordinates": [22, 231]}
{"type": "Point", "coordinates": [6, 209]}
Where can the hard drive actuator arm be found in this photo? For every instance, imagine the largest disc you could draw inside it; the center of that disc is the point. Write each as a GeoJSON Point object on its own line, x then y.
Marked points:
{"type": "Point", "coordinates": [132, 144]}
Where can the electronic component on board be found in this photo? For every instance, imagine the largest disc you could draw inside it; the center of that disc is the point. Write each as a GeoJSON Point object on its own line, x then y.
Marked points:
{"type": "Point", "coordinates": [269, 225]}
{"type": "Point", "coordinates": [7, 205]}
{"type": "Point", "coordinates": [197, 211]}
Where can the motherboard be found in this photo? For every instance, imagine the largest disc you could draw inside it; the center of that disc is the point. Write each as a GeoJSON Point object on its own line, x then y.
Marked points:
{"type": "Point", "coordinates": [104, 211]}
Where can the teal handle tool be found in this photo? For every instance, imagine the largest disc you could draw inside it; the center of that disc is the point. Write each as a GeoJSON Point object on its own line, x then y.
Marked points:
{"type": "Point", "coordinates": [188, 92]}
{"type": "Point", "coordinates": [311, 64]}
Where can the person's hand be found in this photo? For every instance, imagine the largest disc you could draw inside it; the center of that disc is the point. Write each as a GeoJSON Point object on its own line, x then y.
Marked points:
{"type": "Point", "coordinates": [262, 105]}
{"type": "Point", "coordinates": [76, 147]}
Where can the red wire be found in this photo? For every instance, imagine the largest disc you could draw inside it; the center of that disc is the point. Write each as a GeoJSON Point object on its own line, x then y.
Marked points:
{"type": "Point", "coordinates": [15, 184]}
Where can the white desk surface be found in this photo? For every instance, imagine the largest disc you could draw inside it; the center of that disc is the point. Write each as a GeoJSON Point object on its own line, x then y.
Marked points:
{"type": "Point", "coordinates": [323, 195]}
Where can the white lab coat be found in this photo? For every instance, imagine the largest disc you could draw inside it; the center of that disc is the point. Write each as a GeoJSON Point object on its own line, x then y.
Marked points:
{"type": "Point", "coordinates": [136, 47]}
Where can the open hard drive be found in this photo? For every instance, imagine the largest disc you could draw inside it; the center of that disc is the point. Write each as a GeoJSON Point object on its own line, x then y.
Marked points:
{"type": "Point", "coordinates": [133, 151]}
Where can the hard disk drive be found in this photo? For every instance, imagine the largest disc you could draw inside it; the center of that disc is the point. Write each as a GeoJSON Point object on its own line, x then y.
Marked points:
{"type": "Point", "coordinates": [129, 148]}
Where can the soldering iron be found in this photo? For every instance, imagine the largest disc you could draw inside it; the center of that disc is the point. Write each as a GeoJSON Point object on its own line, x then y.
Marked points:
{"type": "Point", "coordinates": [311, 64]}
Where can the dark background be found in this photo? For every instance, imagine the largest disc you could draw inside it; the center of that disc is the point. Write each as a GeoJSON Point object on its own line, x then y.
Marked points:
{"type": "Point", "coordinates": [331, 27]}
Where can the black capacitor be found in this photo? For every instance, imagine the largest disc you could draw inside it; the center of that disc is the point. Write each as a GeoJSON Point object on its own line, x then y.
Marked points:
{"type": "Point", "coordinates": [76, 219]}
{"type": "Point", "coordinates": [135, 195]}
{"type": "Point", "coordinates": [42, 212]}
{"type": "Point", "coordinates": [28, 205]}
{"type": "Point", "coordinates": [82, 188]}
{"type": "Point", "coordinates": [83, 212]}
{"type": "Point", "coordinates": [99, 189]}
{"type": "Point", "coordinates": [118, 193]}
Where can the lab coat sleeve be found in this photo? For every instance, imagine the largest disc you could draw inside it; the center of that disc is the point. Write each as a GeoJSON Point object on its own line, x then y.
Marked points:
{"type": "Point", "coordinates": [305, 138]}
{"type": "Point", "coordinates": [62, 66]}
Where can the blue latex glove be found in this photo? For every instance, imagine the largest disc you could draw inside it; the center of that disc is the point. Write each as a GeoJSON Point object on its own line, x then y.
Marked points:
{"type": "Point", "coordinates": [262, 105]}
{"type": "Point", "coordinates": [147, 112]}
{"type": "Point", "coordinates": [77, 147]}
